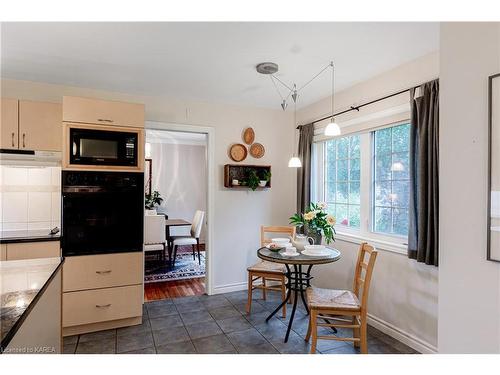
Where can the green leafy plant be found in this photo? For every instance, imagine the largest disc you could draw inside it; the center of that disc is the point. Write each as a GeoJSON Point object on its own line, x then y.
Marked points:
{"type": "Point", "coordinates": [251, 179]}
{"type": "Point", "coordinates": [264, 175]}
{"type": "Point", "coordinates": [152, 200]}
{"type": "Point", "coordinates": [316, 220]}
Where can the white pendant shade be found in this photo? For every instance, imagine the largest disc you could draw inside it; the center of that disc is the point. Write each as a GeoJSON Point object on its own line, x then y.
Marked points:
{"type": "Point", "coordinates": [294, 162]}
{"type": "Point", "coordinates": [332, 129]}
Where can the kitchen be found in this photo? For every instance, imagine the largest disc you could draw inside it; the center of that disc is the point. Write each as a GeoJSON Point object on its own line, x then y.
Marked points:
{"type": "Point", "coordinates": [92, 151]}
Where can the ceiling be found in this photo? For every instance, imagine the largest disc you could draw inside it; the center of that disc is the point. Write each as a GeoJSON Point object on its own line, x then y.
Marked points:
{"type": "Point", "coordinates": [212, 62]}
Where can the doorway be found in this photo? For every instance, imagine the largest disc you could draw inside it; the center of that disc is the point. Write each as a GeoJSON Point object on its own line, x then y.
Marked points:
{"type": "Point", "coordinates": [178, 186]}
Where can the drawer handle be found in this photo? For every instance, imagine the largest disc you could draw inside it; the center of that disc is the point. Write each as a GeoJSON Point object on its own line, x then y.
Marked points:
{"type": "Point", "coordinates": [103, 306]}
{"type": "Point", "coordinates": [104, 120]}
{"type": "Point", "coordinates": [13, 139]}
{"type": "Point", "coordinates": [24, 140]}
{"type": "Point", "coordinates": [103, 272]}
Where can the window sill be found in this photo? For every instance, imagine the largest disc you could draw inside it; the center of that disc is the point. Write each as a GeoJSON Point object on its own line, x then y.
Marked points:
{"type": "Point", "coordinates": [393, 247]}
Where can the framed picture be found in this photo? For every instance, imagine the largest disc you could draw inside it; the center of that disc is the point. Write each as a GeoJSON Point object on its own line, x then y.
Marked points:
{"type": "Point", "coordinates": [148, 175]}
{"type": "Point", "coordinates": [493, 228]}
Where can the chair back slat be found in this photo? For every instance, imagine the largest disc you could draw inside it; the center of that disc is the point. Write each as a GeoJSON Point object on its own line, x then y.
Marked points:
{"type": "Point", "coordinates": [363, 273]}
{"type": "Point", "coordinates": [273, 230]}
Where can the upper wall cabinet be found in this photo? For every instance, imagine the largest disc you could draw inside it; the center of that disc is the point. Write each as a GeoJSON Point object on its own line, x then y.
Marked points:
{"type": "Point", "coordinates": [104, 112]}
{"type": "Point", "coordinates": [28, 125]}
{"type": "Point", "coordinates": [9, 127]}
{"type": "Point", "coordinates": [40, 126]}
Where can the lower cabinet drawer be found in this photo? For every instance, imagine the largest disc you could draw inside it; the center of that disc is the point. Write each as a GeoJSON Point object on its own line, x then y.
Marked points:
{"type": "Point", "coordinates": [101, 305]}
{"type": "Point", "coordinates": [102, 271]}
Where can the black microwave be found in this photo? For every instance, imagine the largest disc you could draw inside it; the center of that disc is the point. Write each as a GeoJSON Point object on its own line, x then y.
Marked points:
{"type": "Point", "coordinates": [103, 147]}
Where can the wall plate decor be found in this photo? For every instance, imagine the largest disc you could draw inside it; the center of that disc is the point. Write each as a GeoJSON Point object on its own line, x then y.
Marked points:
{"type": "Point", "coordinates": [238, 152]}
{"type": "Point", "coordinates": [493, 219]}
{"type": "Point", "coordinates": [257, 150]}
{"type": "Point", "coordinates": [248, 136]}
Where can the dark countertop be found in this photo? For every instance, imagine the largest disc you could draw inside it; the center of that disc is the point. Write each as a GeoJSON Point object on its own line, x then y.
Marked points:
{"type": "Point", "coordinates": [22, 283]}
{"type": "Point", "coordinates": [13, 236]}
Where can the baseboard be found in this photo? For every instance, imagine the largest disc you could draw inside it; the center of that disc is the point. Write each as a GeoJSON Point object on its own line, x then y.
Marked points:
{"type": "Point", "coordinates": [400, 335]}
{"type": "Point", "coordinates": [230, 288]}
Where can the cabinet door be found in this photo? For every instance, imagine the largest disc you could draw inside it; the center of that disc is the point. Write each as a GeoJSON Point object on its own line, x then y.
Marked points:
{"type": "Point", "coordinates": [102, 112]}
{"type": "Point", "coordinates": [3, 251]}
{"type": "Point", "coordinates": [9, 134]}
{"type": "Point", "coordinates": [40, 126]}
{"type": "Point", "coordinates": [33, 250]}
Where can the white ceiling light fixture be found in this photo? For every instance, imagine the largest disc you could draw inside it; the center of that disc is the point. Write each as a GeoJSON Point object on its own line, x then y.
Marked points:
{"type": "Point", "coordinates": [333, 129]}
{"type": "Point", "coordinates": [294, 161]}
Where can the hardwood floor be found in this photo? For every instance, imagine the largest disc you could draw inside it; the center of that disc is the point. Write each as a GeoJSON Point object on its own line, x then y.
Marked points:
{"type": "Point", "coordinates": [173, 289]}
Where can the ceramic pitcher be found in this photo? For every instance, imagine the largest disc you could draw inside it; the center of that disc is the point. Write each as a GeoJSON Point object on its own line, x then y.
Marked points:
{"type": "Point", "coordinates": [301, 240]}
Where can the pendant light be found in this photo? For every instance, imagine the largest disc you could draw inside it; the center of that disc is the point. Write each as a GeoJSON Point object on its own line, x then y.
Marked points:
{"type": "Point", "coordinates": [294, 161]}
{"type": "Point", "coordinates": [332, 129]}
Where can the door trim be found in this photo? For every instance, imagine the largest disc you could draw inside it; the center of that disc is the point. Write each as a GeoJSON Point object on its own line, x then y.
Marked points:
{"type": "Point", "coordinates": [210, 132]}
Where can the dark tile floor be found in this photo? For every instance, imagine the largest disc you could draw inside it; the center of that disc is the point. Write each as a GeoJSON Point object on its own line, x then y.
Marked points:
{"type": "Point", "coordinates": [219, 324]}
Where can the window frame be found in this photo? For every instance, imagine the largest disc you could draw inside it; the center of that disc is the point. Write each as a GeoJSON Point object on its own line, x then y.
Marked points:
{"type": "Point", "coordinates": [393, 242]}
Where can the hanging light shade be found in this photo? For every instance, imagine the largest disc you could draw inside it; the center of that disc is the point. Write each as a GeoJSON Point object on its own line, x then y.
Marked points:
{"type": "Point", "coordinates": [294, 162]}
{"type": "Point", "coordinates": [332, 129]}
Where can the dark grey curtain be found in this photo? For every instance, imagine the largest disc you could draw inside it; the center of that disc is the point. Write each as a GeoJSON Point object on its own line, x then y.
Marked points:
{"type": "Point", "coordinates": [423, 236]}
{"type": "Point", "coordinates": [304, 174]}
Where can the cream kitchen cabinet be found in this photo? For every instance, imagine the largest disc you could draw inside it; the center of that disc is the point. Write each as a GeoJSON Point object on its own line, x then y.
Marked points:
{"type": "Point", "coordinates": [40, 126]}
{"type": "Point", "coordinates": [102, 112]}
{"type": "Point", "coordinates": [32, 250]}
{"type": "Point", "coordinates": [3, 251]}
{"type": "Point", "coordinates": [9, 124]}
{"type": "Point", "coordinates": [30, 125]}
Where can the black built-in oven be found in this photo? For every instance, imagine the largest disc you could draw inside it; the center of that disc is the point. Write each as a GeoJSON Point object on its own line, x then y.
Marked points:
{"type": "Point", "coordinates": [103, 147]}
{"type": "Point", "coordinates": [102, 212]}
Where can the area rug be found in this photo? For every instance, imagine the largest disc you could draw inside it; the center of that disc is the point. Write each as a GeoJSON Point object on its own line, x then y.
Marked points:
{"type": "Point", "coordinates": [185, 267]}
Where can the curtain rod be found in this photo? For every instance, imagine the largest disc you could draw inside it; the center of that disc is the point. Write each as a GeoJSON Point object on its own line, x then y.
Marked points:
{"type": "Point", "coordinates": [356, 108]}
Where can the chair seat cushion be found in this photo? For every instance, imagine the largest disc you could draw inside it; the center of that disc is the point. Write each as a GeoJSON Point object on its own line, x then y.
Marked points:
{"type": "Point", "coordinates": [153, 247]}
{"type": "Point", "coordinates": [179, 241]}
{"type": "Point", "coordinates": [333, 299]}
{"type": "Point", "coordinates": [270, 267]}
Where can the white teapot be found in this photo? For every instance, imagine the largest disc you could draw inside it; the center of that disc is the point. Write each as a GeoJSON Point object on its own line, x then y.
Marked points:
{"type": "Point", "coordinates": [301, 241]}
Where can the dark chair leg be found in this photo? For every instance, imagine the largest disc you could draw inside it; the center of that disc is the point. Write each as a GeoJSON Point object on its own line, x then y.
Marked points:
{"type": "Point", "coordinates": [175, 256]}
{"type": "Point", "coordinates": [194, 255]}
{"type": "Point", "coordinates": [198, 248]}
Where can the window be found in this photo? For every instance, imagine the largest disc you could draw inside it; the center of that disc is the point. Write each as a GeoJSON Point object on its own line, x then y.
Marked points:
{"type": "Point", "coordinates": [391, 180]}
{"type": "Point", "coordinates": [342, 180]}
{"type": "Point", "coordinates": [364, 180]}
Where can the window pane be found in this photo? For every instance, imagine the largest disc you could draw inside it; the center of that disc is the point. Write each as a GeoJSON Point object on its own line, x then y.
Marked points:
{"type": "Point", "coordinates": [354, 151]}
{"type": "Point", "coordinates": [401, 138]}
{"type": "Point", "coordinates": [400, 221]}
{"type": "Point", "coordinates": [383, 141]}
{"type": "Point", "coordinates": [354, 171]}
{"type": "Point", "coordinates": [342, 192]}
{"type": "Point", "coordinates": [342, 214]}
{"type": "Point", "coordinates": [342, 173]}
{"type": "Point", "coordinates": [383, 220]}
{"type": "Point", "coordinates": [354, 192]}
{"type": "Point", "coordinates": [343, 148]}
{"type": "Point", "coordinates": [391, 180]}
{"type": "Point", "coordinates": [354, 216]}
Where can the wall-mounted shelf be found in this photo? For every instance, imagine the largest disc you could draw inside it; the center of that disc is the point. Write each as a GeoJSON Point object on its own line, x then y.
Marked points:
{"type": "Point", "coordinates": [239, 171]}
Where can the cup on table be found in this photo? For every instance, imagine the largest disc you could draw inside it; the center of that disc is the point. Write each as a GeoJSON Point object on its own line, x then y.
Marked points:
{"type": "Point", "coordinates": [281, 242]}
{"type": "Point", "coordinates": [290, 250]}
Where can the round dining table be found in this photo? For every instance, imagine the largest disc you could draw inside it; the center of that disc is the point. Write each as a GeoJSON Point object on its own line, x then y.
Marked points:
{"type": "Point", "coordinates": [297, 279]}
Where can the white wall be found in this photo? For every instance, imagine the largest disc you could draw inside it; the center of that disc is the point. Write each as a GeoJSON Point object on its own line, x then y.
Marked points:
{"type": "Point", "coordinates": [469, 286]}
{"type": "Point", "coordinates": [180, 175]}
{"type": "Point", "coordinates": [404, 293]}
{"type": "Point", "coordinates": [238, 213]}
{"type": "Point", "coordinates": [30, 198]}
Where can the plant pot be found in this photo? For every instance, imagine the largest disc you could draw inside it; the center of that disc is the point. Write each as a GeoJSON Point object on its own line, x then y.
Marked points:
{"type": "Point", "coordinates": [262, 183]}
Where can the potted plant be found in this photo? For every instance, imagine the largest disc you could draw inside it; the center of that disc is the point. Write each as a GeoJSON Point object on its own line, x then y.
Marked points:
{"type": "Point", "coordinates": [264, 176]}
{"type": "Point", "coordinates": [316, 223]}
{"type": "Point", "coordinates": [251, 179]}
{"type": "Point", "coordinates": [152, 200]}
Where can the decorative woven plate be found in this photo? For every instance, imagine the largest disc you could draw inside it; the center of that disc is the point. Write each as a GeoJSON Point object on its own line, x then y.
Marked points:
{"type": "Point", "coordinates": [248, 136]}
{"type": "Point", "coordinates": [257, 150]}
{"type": "Point", "coordinates": [238, 152]}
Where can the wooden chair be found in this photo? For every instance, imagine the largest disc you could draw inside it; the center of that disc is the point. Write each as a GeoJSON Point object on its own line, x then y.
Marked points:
{"type": "Point", "coordinates": [268, 271]}
{"type": "Point", "coordinates": [343, 306]}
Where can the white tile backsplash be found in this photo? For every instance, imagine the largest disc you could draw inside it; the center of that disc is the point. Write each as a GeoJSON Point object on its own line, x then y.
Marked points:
{"type": "Point", "coordinates": [30, 198]}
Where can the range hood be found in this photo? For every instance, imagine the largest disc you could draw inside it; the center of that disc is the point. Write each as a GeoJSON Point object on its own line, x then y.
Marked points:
{"type": "Point", "coordinates": [30, 158]}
